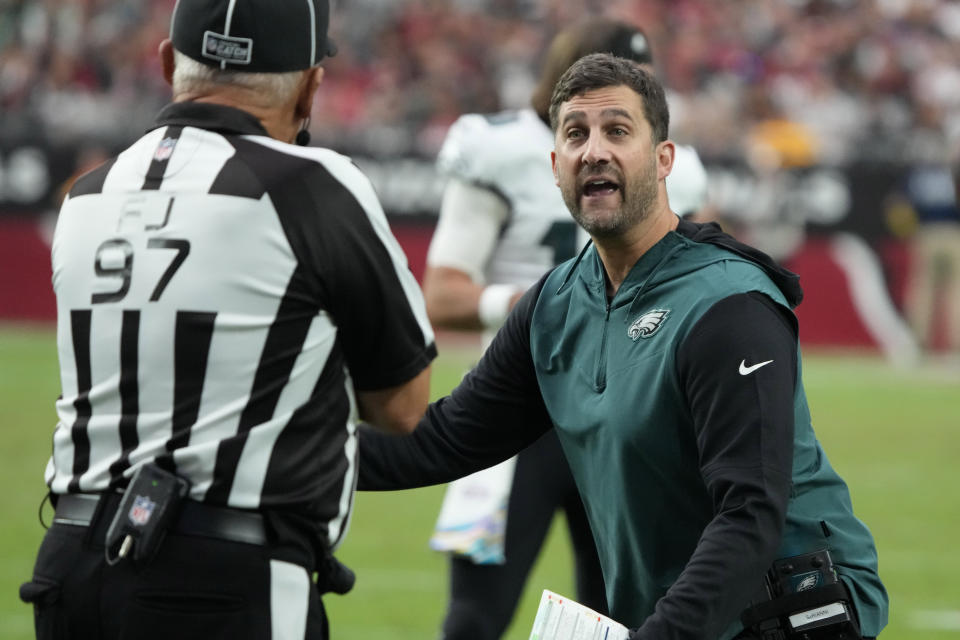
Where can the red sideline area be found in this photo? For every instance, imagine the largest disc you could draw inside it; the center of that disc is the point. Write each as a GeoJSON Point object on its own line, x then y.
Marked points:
{"type": "Point", "coordinates": [827, 316]}
{"type": "Point", "coordinates": [26, 292]}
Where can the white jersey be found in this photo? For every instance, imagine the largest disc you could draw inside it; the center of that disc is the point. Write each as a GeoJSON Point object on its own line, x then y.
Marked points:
{"type": "Point", "coordinates": [508, 154]}
{"type": "Point", "coordinates": [687, 182]}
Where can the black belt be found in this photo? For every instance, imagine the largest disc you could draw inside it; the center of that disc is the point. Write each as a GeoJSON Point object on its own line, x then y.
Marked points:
{"type": "Point", "coordinates": [195, 519]}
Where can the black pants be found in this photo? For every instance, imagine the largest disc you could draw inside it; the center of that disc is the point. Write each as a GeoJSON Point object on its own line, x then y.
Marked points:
{"type": "Point", "coordinates": [483, 598]}
{"type": "Point", "coordinates": [196, 588]}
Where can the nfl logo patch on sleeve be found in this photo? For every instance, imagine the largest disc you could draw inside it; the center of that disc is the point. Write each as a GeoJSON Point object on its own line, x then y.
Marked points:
{"type": "Point", "coordinates": [164, 150]}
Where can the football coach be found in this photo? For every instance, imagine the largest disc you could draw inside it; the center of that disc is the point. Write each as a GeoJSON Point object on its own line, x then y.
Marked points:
{"type": "Point", "coordinates": [230, 305]}
{"type": "Point", "coordinates": [666, 358]}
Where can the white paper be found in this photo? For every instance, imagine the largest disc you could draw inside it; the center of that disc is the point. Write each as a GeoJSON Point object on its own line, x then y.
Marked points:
{"type": "Point", "coordinates": [560, 618]}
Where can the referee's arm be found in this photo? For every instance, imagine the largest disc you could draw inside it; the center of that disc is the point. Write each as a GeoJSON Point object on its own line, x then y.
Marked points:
{"type": "Point", "coordinates": [397, 409]}
{"type": "Point", "coordinates": [360, 275]}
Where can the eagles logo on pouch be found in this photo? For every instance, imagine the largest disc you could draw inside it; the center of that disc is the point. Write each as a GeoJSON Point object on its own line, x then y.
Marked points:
{"type": "Point", "coordinates": [647, 324]}
{"type": "Point", "coordinates": [808, 581]}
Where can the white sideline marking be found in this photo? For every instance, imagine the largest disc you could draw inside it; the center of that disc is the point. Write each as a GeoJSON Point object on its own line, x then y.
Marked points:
{"type": "Point", "coordinates": [939, 620]}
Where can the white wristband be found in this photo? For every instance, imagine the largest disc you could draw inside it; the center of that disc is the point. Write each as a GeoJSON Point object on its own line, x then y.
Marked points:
{"type": "Point", "coordinates": [494, 304]}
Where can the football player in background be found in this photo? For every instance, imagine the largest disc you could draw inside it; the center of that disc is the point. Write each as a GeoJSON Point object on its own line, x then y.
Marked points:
{"type": "Point", "coordinates": [503, 224]}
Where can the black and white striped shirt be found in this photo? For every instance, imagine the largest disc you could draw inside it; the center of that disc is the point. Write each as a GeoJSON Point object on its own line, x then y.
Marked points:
{"type": "Point", "coordinates": [220, 295]}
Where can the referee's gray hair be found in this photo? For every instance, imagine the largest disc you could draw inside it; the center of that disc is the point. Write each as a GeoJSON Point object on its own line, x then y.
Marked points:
{"type": "Point", "coordinates": [190, 76]}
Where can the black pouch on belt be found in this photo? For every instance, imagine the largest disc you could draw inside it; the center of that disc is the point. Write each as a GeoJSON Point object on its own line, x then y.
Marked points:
{"type": "Point", "coordinates": [803, 599]}
{"type": "Point", "coordinates": [147, 509]}
{"type": "Point", "coordinates": [333, 576]}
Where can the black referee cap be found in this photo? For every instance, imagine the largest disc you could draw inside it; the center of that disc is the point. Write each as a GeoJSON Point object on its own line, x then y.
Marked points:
{"type": "Point", "coordinates": [259, 36]}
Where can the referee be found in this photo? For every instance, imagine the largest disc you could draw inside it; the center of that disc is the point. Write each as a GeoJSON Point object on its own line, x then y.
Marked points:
{"type": "Point", "coordinates": [230, 305]}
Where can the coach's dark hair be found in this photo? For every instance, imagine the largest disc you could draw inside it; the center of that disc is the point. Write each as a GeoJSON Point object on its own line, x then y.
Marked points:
{"type": "Point", "coordinates": [601, 70]}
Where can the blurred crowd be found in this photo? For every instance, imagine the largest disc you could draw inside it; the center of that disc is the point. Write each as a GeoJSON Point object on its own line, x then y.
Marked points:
{"type": "Point", "coordinates": [780, 83]}
{"type": "Point", "coordinates": [764, 89]}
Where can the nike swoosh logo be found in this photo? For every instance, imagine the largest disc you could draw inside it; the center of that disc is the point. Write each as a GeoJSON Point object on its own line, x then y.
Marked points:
{"type": "Point", "coordinates": [745, 370]}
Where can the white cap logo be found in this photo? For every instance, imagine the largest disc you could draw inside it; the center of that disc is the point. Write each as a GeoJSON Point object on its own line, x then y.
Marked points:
{"type": "Point", "coordinates": [227, 49]}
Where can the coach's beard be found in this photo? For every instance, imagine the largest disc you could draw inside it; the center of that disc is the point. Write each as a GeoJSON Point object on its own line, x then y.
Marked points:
{"type": "Point", "coordinates": [637, 202]}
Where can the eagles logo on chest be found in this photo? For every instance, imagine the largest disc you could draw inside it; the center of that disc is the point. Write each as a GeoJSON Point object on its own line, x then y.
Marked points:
{"type": "Point", "coordinates": [647, 324]}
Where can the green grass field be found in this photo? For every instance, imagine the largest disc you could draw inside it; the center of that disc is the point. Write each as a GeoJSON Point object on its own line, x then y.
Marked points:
{"type": "Point", "coordinates": [894, 434]}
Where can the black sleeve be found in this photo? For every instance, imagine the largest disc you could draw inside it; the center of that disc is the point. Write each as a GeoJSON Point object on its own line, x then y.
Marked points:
{"type": "Point", "coordinates": [494, 413]}
{"type": "Point", "coordinates": [374, 300]}
{"type": "Point", "coordinates": [738, 370]}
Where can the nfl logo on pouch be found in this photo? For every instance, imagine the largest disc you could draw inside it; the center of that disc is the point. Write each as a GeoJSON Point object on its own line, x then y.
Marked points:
{"type": "Point", "coordinates": [141, 510]}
